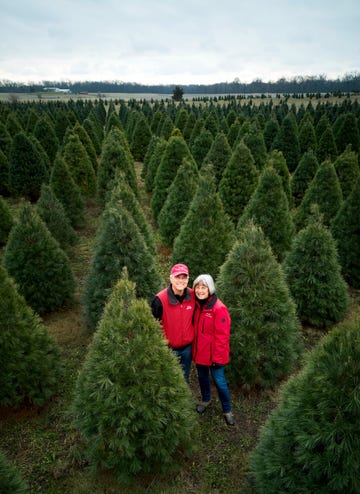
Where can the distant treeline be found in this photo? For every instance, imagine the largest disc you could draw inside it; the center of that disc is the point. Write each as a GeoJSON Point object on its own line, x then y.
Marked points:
{"type": "Point", "coordinates": [298, 85]}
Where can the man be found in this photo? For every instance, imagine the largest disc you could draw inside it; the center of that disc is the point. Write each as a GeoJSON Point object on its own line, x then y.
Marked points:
{"type": "Point", "coordinates": [174, 307]}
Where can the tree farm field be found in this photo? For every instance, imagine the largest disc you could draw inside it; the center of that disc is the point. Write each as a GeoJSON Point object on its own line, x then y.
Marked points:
{"type": "Point", "coordinates": [48, 451]}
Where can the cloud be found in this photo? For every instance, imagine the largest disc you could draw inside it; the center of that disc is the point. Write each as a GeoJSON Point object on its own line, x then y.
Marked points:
{"type": "Point", "coordinates": [166, 41]}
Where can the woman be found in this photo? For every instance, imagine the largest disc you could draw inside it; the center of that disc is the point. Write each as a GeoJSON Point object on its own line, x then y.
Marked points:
{"type": "Point", "coordinates": [211, 344]}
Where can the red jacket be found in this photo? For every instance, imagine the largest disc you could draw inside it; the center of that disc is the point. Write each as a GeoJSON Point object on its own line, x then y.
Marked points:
{"type": "Point", "coordinates": [177, 317]}
{"type": "Point", "coordinates": [212, 333]}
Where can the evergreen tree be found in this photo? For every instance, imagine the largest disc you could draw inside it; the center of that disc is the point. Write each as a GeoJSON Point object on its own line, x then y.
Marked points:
{"type": "Point", "coordinates": [10, 478]}
{"type": "Point", "coordinates": [303, 176]}
{"type": "Point", "coordinates": [124, 193]}
{"type": "Point", "coordinates": [269, 208]}
{"type": "Point", "coordinates": [189, 126]}
{"type": "Point", "coordinates": [212, 123]}
{"type": "Point", "coordinates": [325, 191]}
{"type": "Point", "coordinates": [113, 121]}
{"type": "Point", "coordinates": [314, 275]}
{"type": "Point", "coordinates": [348, 133]}
{"type": "Point", "coordinates": [198, 126]}
{"type": "Point", "coordinates": [6, 221]}
{"type": "Point", "coordinates": [238, 181]}
{"type": "Point", "coordinates": [181, 119]}
{"type": "Point", "coordinates": [271, 130]}
{"type": "Point", "coordinates": [218, 155]}
{"type": "Point", "coordinates": [166, 128]}
{"type": "Point", "coordinates": [201, 146]}
{"type": "Point", "coordinates": [43, 156]}
{"type": "Point", "coordinates": [87, 143]}
{"type": "Point", "coordinates": [277, 161]}
{"type": "Point", "coordinates": [79, 164]}
{"type": "Point", "coordinates": [307, 136]}
{"type": "Point", "coordinates": [265, 332]}
{"type": "Point", "coordinates": [287, 141]}
{"type": "Point", "coordinates": [172, 158]}
{"type": "Point", "coordinates": [53, 214]}
{"type": "Point", "coordinates": [149, 152]}
{"type": "Point", "coordinates": [27, 171]}
{"type": "Point", "coordinates": [310, 442]}
{"type": "Point", "coordinates": [40, 268]}
{"type": "Point", "coordinates": [233, 132]}
{"type": "Point", "coordinates": [114, 158]}
{"type": "Point", "coordinates": [254, 140]}
{"type": "Point", "coordinates": [321, 126]}
{"type": "Point", "coordinates": [154, 162]}
{"type": "Point", "coordinates": [4, 175]}
{"type": "Point", "coordinates": [132, 404]}
{"type": "Point", "coordinates": [13, 124]}
{"type": "Point", "coordinates": [140, 138]}
{"type": "Point", "coordinates": [61, 125]}
{"type": "Point", "coordinates": [326, 149]}
{"type": "Point", "coordinates": [206, 226]}
{"type": "Point", "coordinates": [177, 93]}
{"type": "Point", "coordinates": [5, 140]}
{"type": "Point", "coordinates": [68, 193]}
{"type": "Point", "coordinates": [95, 133]}
{"type": "Point", "coordinates": [44, 132]}
{"type": "Point", "coordinates": [345, 229]}
{"type": "Point", "coordinates": [29, 357]}
{"type": "Point", "coordinates": [155, 124]}
{"type": "Point", "coordinates": [118, 243]}
{"type": "Point", "coordinates": [347, 170]}
{"type": "Point", "coordinates": [176, 205]}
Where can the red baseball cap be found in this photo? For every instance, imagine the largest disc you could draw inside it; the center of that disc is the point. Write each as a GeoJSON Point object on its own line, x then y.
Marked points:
{"type": "Point", "coordinates": [179, 269]}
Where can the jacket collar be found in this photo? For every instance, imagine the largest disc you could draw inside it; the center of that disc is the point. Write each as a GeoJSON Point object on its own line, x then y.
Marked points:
{"type": "Point", "coordinates": [176, 299]}
{"type": "Point", "coordinates": [210, 302]}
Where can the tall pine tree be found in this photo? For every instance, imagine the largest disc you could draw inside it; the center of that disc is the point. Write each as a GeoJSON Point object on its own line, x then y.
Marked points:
{"type": "Point", "coordinates": [314, 276]}
{"type": "Point", "coordinates": [68, 193]}
{"type": "Point", "coordinates": [303, 175]}
{"type": "Point", "coordinates": [53, 214]}
{"type": "Point", "coordinates": [39, 266]}
{"type": "Point", "coordinates": [172, 158]}
{"type": "Point", "coordinates": [310, 442]}
{"type": "Point", "coordinates": [29, 357]}
{"type": "Point", "coordinates": [238, 181]}
{"type": "Point", "coordinates": [265, 337]}
{"type": "Point", "coordinates": [345, 229]}
{"type": "Point", "coordinates": [118, 243]}
{"type": "Point", "coordinates": [347, 169]}
{"type": "Point", "coordinates": [27, 169]}
{"type": "Point", "coordinates": [176, 206]}
{"type": "Point", "coordinates": [132, 404]}
{"type": "Point", "coordinates": [268, 207]}
{"type": "Point", "coordinates": [325, 191]}
{"type": "Point", "coordinates": [205, 226]}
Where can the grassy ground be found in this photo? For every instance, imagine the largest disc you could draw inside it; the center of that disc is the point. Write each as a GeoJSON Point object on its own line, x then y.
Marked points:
{"type": "Point", "coordinates": [47, 450]}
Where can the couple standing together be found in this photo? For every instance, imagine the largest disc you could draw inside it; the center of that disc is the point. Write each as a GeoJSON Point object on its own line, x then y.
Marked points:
{"type": "Point", "coordinates": [196, 325]}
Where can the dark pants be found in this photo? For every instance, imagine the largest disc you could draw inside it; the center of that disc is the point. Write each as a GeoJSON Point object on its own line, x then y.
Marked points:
{"type": "Point", "coordinates": [218, 375]}
{"type": "Point", "coordinates": [184, 354]}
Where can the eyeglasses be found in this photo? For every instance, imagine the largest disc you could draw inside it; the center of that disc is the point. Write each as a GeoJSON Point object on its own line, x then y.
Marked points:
{"type": "Point", "coordinates": [180, 277]}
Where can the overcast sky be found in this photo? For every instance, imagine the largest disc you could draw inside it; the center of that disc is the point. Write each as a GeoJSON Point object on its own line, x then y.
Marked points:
{"type": "Point", "coordinates": [177, 41]}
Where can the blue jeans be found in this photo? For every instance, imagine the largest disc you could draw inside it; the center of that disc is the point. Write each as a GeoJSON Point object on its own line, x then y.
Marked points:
{"type": "Point", "coordinates": [184, 355]}
{"type": "Point", "coordinates": [218, 375]}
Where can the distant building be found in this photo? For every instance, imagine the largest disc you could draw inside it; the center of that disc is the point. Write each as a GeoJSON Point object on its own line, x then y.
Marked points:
{"type": "Point", "coordinates": [56, 90]}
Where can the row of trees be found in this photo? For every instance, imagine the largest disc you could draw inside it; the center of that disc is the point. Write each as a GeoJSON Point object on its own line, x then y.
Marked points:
{"type": "Point", "coordinates": [298, 85]}
{"type": "Point", "coordinates": [223, 178]}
